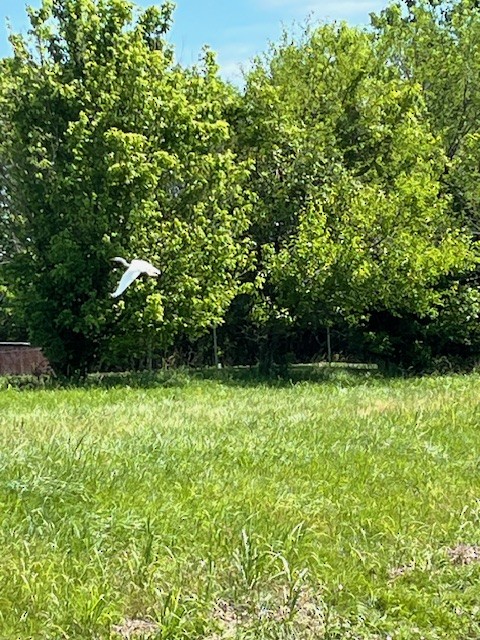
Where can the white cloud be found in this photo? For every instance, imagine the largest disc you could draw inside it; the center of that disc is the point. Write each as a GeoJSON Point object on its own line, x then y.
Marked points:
{"type": "Point", "coordinates": [246, 41]}
{"type": "Point", "coordinates": [240, 44]}
{"type": "Point", "coordinates": [232, 71]}
{"type": "Point", "coordinates": [278, 4]}
{"type": "Point", "coordinates": [233, 59]}
{"type": "Point", "coordinates": [346, 9]}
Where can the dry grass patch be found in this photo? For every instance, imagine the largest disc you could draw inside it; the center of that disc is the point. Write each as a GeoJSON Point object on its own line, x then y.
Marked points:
{"type": "Point", "coordinates": [135, 628]}
{"type": "Point", "coordinates": [464, 554]}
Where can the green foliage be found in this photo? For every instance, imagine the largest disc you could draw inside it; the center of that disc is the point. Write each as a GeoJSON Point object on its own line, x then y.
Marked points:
{"type": "Point", "coordinates": [12, 323]}
{"type": "Point", "coordinates": [114, 150]}
{"type": "Point", "coordinates": [339, 189]}
{"type": "Point", "coordinates": [352, 217]}
{"type": "Point", "coordinates": [434, 44]}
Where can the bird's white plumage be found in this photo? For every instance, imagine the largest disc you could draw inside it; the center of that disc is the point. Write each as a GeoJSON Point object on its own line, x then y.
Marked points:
{"type": "Point", "coordinates": [134, 269]}
{"type": "Point", "coordinates": [126, 280]}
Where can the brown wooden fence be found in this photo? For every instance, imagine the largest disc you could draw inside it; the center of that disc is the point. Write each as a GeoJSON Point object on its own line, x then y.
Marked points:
{"type": "Point", "coordinates": [21, 358]}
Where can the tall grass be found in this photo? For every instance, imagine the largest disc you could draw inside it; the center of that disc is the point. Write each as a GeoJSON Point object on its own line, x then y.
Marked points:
{"type": "Point", "coordinates": [197, 508]}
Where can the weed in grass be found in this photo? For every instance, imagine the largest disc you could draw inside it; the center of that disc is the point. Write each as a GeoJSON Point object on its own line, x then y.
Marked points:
{"type": "Point", "coordinates": [249, 560]}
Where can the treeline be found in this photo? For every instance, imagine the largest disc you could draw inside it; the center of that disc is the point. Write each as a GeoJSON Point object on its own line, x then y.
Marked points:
{"type": "Point", "coordinates": [336, 194]}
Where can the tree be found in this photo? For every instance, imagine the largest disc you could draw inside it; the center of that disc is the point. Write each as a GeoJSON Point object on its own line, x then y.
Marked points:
{"type": "Point", "coordinates": [12, 325]}
{"type": "Point", "coordinates": [351, 216]}
{"type": "Point", "coordinates": [115, 150]}
{"type": "Point", "coordinates": [434, 44]}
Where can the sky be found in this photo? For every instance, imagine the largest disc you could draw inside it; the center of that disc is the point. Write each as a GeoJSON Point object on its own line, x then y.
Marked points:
{"type": "Point", "coordinates": [236, 29]}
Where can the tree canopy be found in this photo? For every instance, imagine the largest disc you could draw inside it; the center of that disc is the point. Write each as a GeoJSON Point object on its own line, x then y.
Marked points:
{"type": "Point", "coordinates": [339, 186]}
{"type": "Point", "coordinates": [115, 150]}
{"type": "Point", "coordinates": [353, 217]}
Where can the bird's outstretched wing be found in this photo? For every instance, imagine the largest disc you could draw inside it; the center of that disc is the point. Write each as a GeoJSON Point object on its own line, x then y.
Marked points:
{"type": "Point", "coordinates": [126, 280]}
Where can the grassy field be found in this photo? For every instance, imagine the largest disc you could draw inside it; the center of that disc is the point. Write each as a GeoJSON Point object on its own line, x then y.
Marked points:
{"type": "Point", "coordinates": [347, 507]}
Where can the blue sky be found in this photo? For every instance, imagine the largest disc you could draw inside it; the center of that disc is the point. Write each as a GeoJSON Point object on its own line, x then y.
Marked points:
{"type": "Point", "coordinates": [237, 30]}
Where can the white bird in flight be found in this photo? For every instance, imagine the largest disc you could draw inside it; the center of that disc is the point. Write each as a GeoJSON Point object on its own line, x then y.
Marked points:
{"type": "Point", "coordinates": [134, 269]}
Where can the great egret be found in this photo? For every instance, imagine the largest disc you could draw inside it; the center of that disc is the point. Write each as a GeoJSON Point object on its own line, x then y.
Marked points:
{"type": "Point", "coordinates": [134, 269]}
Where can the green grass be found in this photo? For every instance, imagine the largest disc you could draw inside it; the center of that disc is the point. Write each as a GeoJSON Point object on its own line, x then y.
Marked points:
{"type": "Point", "coordinates": [229, 508]}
